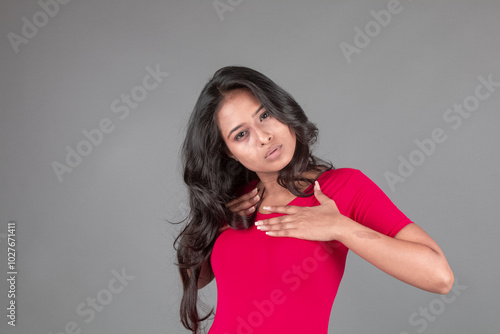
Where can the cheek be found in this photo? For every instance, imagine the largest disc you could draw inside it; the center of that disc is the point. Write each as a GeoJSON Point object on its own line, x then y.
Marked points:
{"type": "Point", "coordinates": [286, 133]}
{"type": "Point", "coordinates": [240, 150]}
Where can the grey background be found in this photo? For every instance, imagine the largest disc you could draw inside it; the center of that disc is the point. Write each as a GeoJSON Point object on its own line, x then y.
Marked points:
{"type": "Point", "coordinates": [109, 212]}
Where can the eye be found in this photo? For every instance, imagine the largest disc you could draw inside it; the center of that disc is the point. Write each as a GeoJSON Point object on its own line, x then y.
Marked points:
{"type": "Point", "coordinates": [240, 135]}
{"type": "Point", "coordinates": [264, 115]}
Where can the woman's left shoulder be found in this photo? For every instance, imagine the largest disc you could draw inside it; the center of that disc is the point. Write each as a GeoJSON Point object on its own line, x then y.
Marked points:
{"type": "Point", "coordinates": [345, 179]}
{"type": "Point", "coordinates": [334, 181]}
{"type": "Point", "coordinates": [339, 174]}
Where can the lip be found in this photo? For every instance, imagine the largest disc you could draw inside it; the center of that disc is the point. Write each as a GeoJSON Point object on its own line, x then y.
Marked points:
{"type": "Point", "coordinates": [273, 152]}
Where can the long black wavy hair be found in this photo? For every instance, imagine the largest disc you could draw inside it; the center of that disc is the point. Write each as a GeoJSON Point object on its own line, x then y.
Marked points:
{"type": "Point", "coordinates": [214, 179]}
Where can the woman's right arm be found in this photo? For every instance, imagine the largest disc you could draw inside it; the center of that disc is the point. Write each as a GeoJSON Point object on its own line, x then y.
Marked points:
{"type": "Point", "coordinates": [206, 275]}
{"type": "Point", "coordinates": [243, 205]}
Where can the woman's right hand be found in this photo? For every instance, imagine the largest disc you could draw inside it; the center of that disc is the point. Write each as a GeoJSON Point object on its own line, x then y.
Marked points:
{"type": "Point", "coordinates": [245, 204]}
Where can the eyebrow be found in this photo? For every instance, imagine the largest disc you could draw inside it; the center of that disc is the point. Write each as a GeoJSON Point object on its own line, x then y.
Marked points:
{"type": "Point", "coordinates": [239, 126]}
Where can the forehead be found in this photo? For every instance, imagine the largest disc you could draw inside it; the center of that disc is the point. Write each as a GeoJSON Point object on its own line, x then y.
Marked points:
{"type": "Point", "coordinates": [239, 98]}
{"type": "Point", "coordinates": [237, 106]}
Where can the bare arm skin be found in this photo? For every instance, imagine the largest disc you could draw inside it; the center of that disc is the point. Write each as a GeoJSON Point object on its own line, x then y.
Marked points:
{"type": "Point", "coordinates": [245, 204]}
{"type": "Point", "coordinates": [206, 274]}
{"type": "Point", "coordinates": [412, 256]}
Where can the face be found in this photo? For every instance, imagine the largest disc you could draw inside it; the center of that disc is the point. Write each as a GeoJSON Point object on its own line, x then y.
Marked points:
{"type": "Point", "coordinates": [253, 137]}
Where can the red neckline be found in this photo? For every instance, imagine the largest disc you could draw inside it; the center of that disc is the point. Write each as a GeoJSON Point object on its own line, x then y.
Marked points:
{"type": "Point", "coordinates": [296, 197]}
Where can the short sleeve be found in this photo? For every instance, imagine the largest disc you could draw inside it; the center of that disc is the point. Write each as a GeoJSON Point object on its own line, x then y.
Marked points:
{"type": "Point", "coordinates": [368, 205]}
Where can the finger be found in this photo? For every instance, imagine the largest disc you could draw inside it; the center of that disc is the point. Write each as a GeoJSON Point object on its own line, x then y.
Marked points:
{"type": "Point", "coordinates": [286, 209]}
{"type": "Point", "coordinates": [244, 208]}
{"type": "Point", "coordinates": [245, 200]}
{"type": "Point", "coordinates": [322, 198]}
{"type": "Point", "coordinates": [240, 202]}
{"type": "Point", "coordinates": [280, 226]}
{"type": "Point", "coordinates": [274, 223]}
{"type": "Point", "coordinates": [246, 212]}
{"type": "Point", "coordinates": [282, 233]}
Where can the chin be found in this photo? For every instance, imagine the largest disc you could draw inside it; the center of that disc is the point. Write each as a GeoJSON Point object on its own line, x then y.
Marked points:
{"type": "Point", "coordinates": [280, 165]}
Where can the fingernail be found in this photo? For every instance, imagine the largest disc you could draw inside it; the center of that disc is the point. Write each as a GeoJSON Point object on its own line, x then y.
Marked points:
{"type": "Point", "coordinates": [254, 190]}
{"type": "Point", "coordinates": [268, 208]}
{"type": "Point", "coordinates": [252, 209]}
{"type": "Point", "coordinates": [316, 184]}
{"type": "Point", "coordinates": [258, 223]}
{"type": "Point", "coordinates": [257, 197]}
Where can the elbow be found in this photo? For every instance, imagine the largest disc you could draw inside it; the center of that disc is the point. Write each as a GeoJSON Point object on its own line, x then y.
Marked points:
{"type": "Point", "coordinates": [205, 280]}
{"type": "Point", "coordinates": [201, 281]}
{"type": "Point", "coordinates": [201, 285]}
{"type": "Point", "coordinates": [445, 281]}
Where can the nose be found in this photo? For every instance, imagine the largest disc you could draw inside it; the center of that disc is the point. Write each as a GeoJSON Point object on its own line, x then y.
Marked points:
{"type": "Point", "coordinates": [264, 137]}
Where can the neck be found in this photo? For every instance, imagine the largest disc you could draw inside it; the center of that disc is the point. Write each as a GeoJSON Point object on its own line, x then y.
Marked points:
{"type": "Point", "coordinates": [274, 194]}
{"type": "Point", "coordinates": [270, 183]}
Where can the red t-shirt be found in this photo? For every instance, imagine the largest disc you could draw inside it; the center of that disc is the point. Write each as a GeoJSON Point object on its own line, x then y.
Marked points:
{"type": "Point", "coordinates": [287, 285]}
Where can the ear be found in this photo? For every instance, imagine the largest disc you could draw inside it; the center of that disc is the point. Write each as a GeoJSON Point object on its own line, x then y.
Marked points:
{"type": "Point", "coordinates": [231, 155]}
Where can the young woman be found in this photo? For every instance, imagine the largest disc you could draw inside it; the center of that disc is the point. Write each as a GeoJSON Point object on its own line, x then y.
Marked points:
{"type": "Point", "coordinates": [273, 224]}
